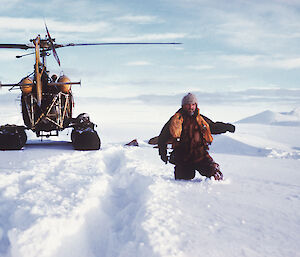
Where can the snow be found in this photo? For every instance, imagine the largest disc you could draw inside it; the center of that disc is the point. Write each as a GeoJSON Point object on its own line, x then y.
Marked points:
{"type": "Point", "coordinates": [274, 118]}
{"type": "Point", "coordinates": [124, 201]}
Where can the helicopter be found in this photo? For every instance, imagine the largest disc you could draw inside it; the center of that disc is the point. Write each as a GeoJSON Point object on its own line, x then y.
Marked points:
{"type": "Point", "coordinates": [47, 102]}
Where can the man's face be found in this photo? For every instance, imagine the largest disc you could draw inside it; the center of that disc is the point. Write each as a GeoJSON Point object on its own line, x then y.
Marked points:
{"type": "Point", "coordinates": [189, 108]}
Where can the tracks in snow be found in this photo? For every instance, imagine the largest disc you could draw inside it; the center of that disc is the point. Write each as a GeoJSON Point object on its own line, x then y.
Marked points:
{"type": "Point", "coordinates": [113, 202]}
{"type": "Point", "coordinates": [73, 197]}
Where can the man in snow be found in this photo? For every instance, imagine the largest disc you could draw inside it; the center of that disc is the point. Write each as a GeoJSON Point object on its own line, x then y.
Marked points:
{"type": "Point", "coordinates": [190, 135]}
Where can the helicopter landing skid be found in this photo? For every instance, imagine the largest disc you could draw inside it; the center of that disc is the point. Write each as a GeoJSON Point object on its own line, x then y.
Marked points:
{"type": "Point", "coordinates": [12, 137]}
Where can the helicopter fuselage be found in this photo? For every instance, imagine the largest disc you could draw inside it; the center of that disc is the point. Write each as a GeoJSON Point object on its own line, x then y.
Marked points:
{"type": "Point", "coordinates": [55, 109]}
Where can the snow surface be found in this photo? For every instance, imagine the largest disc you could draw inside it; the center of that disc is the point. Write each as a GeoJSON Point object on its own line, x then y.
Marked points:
{"type": "Point", "coordinates": [291, 118]}
{"type": "Point", "coordinates": [124, 201]}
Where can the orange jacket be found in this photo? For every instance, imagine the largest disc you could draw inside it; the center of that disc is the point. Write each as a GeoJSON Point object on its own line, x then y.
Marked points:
{"type": "Point", "coordinates": [176, 127]}
{"type": "Point", "coordinates": [189, 136]}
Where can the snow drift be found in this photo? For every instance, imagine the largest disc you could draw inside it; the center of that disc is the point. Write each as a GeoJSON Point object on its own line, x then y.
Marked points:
{"type": "Point", "coordinates": [124, 201]}
{"type": "Point", "coordinates": [291, 118]}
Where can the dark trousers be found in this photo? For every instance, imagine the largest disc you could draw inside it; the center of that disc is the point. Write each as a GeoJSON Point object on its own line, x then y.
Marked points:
{"type": "Point", "coordinates": [206, 167]}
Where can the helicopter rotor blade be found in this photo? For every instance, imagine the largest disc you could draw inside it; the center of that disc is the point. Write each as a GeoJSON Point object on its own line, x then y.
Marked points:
{"type": "Point", "coordinates": [16, 46]}
{"type": "Point", "coordinates": [52, 46]}
{"type": "Point", "coordinates": [124, 43]}
{"type": "Point", "coordinates": [55, 56]}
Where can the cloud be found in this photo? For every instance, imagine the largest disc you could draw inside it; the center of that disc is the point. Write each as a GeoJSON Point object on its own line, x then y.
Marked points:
{"type": "Point", "coordinates": [256, 26]}
{"type": "Point", "coordinates": [139, 63]}
{"type": "Point", "coordinates": [88, 27]}
{"type": "Point", "coordinates": [8, 4]}
{"type": "Point", "coordinates": [242, 33]}
{"type": "Point", "coordinates": [242, 38]}
{"type": "Point", "coordinates": [245, 60]}
{"type": "Point", "coordinates": [200, 67]}
{"type": "Point", "coordinates": [139, 19]}
{"type": "Point", "coordinates": [33, 24]}
{"type": "Point", "coordinates": [25, 28]}
{"type": "Point", "coordinates": [9, 55]}
{"type": "Point", "coordinates": [220, 77]}
{"type": "Point", "coordinates": [288, 63]}
{"type": "Point", "coordinates": [20, 30]}
{"type": "Point", "coordinates": [253, 61]}
{"type": "Point", "coordinates": [12, 23]}
{"type": "Point", "coordinates": [146, 37]}
{"type": "Point", "coordinates": [265, 27]}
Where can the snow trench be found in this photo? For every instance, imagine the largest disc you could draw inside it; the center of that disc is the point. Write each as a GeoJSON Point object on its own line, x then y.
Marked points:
{"type": "Point", "coordinates": [76, 204]}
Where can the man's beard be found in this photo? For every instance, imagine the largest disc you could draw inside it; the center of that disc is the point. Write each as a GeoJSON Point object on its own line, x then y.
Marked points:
{"type": "Point", "coordinates": [190, 113]}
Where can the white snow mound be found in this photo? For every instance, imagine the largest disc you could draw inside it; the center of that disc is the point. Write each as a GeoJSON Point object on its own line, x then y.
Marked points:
{"type": "Point", "coordinates": [268, 117]}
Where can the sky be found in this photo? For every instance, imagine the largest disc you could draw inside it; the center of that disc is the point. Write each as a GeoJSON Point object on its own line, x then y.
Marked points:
{"type": "Point", "coordinates": [225, 46]}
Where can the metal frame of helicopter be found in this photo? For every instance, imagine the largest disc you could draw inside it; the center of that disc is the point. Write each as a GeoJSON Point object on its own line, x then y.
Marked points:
{"type": "Point", "coordinates": [47, 103]}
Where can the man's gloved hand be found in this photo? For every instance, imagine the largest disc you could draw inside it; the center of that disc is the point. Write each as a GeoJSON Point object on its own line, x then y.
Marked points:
{"type": "Point", "coordinates": [163, 154]}
{"type": "Point", "coordinates": [164, 158]}
{"type": "Point", "coordinates": [218, 175]}
{"type": "Point", "coordinates": [230, 127]}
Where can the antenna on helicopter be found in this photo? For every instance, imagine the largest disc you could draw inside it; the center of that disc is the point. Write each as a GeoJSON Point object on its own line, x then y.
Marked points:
{"type": "Point", "coordinates": [20, 56]}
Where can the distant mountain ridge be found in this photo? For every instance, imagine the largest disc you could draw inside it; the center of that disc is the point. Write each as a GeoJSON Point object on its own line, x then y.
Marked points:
{"type": "Point", "coordinates": [291, 96]}
{"type": "Point", "coordinates": [291, 118]}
